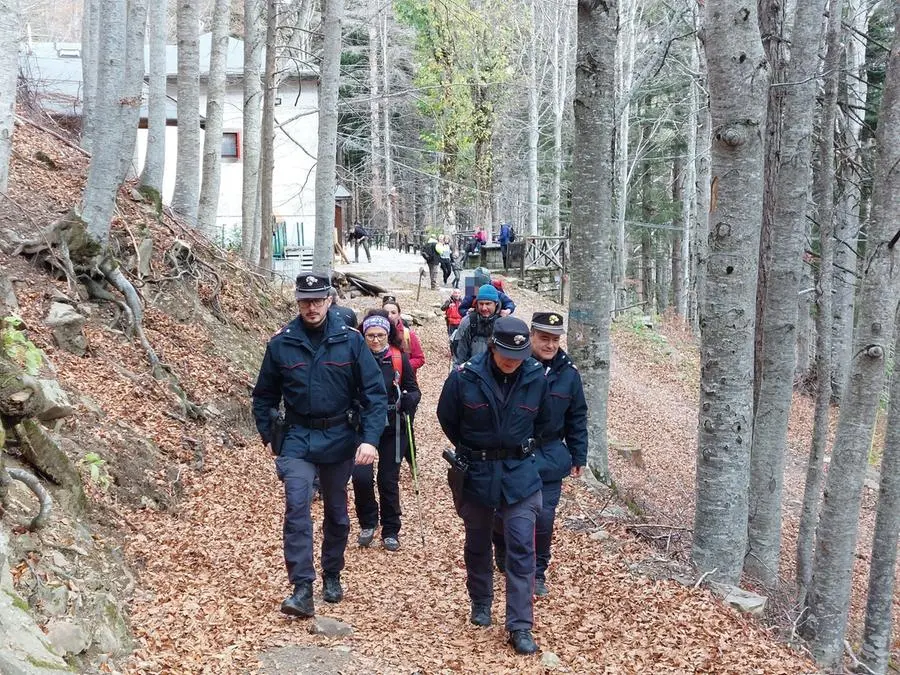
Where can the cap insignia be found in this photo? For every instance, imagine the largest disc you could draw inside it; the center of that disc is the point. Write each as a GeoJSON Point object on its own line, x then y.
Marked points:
{"type": "Point", "coordinates": [519, 339]}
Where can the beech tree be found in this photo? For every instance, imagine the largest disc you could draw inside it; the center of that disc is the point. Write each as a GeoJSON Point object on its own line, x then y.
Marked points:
{"type": "Point", "coordinates": [186, 198]}
{"type": "Point", "coordinates": [267, 141]}
{"type": "Point", "coordinates": [781, 256]}
{"type": "Point", "coordinates": [323, 252]}
{"type": "Point", "coordinates": [823, 215]}
{"type": "Point", "coordinates": [829, 596]}
{"type": "Point", "coordinates": [90, 30]}
{"type": "Point", "coordinates": [9, 70]}
{"type": "Point", "coordinates": [253, 46]}
{"type": "Point", "coordinates": [737, 100]}
{"type": "Point", "coordinates": [215, 109]}
{"type": "Point", "coordinates": [591, 298]}
{"type": "Point", "coordinates": [155, 158]}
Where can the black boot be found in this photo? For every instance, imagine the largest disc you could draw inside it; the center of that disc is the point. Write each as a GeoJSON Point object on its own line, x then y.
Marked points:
{"type": "Point", "coordinates": [300, 603]}
{"type": "Point", "coordinates": [522, 642]}
{"type": "Point", "coordinates": [481, 614]}
{"type": "Point", "coordinates": [331, 588]}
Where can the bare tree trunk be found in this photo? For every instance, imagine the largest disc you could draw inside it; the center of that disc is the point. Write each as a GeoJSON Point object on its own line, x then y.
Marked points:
{"type": "Point", "coordinates": [624, 68]}
{"type": "Point", "coordinates": [253, 47]}
{"type": "Point", "coordinates": [829, 594]}
{"type": "Point", "coordinates": [737, 96]}
{"type": "Point", "coordinates": [850, 175]}
{"type": "Point", "coordinates": [533, 123]}
{"type": "Point", "coordinates": [134, 83]}
{"type": "Point", "coordinates": [90, 37]}
{"type": "Point", "coordinates": [805, 325]}
{"type": "Point", "coordinates": [778, 319]}
{"type": "Point", "coordinates": [215, 113]}
{"type": "Point", "coordinates": [323, 255]}
{"type": "Point", "coordinates": [376, 154]}
{"type": "Point", "coordinates": [186, 198]}
{"type": "Point", "coordinates": [103, 180]}
{"type": "Point", "coordinates": [648, 289]}
{"type": "Point", "coordinates": [390, 191]}
{"type": "Point", "coordinates": [9, 71]}
{"type": "Point", "coordinates": [267, 149]}
{"type": "Point", "coordinates": [560, 67]}
{"type": "Point", "coordinates": [678, 222]}
{"type": "Point", "coordinates": [703, 185]}
{"type": "Point", "coordinates": [155, 159]}
{"type": "Point", "coordinates": [591, 239]}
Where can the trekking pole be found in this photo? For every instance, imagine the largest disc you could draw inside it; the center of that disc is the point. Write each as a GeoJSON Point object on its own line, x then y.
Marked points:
{"type": "Point", "coordinates": [415, 477]}
{"type": "Point", "coordinates": [398, 433]}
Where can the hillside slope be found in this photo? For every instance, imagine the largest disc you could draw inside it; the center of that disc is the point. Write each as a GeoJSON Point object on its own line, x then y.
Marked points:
{"type": "Point", "coordinates": [198, 507]}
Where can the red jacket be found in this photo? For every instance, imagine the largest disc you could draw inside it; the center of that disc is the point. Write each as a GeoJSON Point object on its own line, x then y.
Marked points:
{"type": "Point", "coordinates": [411, 346]}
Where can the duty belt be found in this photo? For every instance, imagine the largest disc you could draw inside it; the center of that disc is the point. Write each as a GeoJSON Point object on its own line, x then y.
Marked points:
{"type": "Point", "coordinates": [318, 423]}
{"type": "Point", "coordinates": [492, 454]}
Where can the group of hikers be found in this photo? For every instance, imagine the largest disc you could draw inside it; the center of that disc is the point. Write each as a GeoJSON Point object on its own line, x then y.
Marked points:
{"type": "Point", "coordinates": [512, 407]}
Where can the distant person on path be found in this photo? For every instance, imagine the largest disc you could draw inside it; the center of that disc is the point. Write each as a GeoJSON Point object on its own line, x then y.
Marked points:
{"type": "Point", "coordinates": [384, 342]}
{"type": "Point", "coordinates": [483, 276]}
{"type": "Point", "coordinates": [335, 405]}
{"type": "Point", "coordinates": [445, 252]}
{"type": "Point", "coordinates": [505, 238]}
{"type": "Point", "coordinates": [410, 343]}
{"type": "Point", "coordinates": [347, 315]}
{"type": "Point", "coordinates": [432, 259]}
{"type": "Point", "coordinates": [450, 308]}
{"type": "Point", "coordinates": [480, 236]}
{"type": "Point", "coordinates": [358, 236]}
{"type": "Point", "coordinates": [490, 409]}
{"type": "Point", "coordinates": [474, 334]}
{"type": "Point", "coordinates": [561, 446]}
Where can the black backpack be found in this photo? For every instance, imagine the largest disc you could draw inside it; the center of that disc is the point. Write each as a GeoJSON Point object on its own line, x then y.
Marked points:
{"type": "Point", "coordinates": [512, 234]}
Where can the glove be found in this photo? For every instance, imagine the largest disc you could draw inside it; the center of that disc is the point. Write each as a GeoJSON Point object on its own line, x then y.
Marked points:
{"type": "Point", "coordinates": [404, 404]}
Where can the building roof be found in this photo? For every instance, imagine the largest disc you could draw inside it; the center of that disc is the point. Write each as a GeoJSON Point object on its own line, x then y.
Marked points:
{"type": "Point", "coordinates": [234, 61]}
{"type": "Point", "coordinates": [52, 72]}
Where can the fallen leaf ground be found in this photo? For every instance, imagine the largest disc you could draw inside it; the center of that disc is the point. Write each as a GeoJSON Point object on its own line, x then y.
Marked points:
{"type": "Point", "coordinates": [212, 579]}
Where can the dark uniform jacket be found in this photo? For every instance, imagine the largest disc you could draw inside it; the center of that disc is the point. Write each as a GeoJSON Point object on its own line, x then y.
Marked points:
{"type": "Point", "coordinates": [474, 415]}
{"type": "Point", "coordinates": [321, 384]}
{"type": "Point", "coordinates": [563, 441]}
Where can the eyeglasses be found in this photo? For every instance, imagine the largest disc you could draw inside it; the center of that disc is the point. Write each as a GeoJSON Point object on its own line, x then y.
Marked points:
{"type": "Point", "coordinates": [376, 337]}
{"type": "Point", "coordinates": [314, 302]}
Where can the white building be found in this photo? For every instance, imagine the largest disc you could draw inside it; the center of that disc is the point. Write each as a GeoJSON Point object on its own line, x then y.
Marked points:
{"type": "Point", "coordinates": [53, 74]}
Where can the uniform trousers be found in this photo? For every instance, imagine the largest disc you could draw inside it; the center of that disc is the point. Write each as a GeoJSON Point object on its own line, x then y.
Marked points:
{"type": "Point", "coordinates": [297, 475]}
{"type": "Point", "coordinates": [388, 479]}
{"type": "Point", "coordinates": [543, 528]}
{"type": "Point", "coordinates": [518, 529]}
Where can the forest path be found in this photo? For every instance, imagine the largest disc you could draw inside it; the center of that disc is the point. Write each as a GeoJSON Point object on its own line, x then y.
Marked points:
{"type": "Point", "coordinates": [213, 579]}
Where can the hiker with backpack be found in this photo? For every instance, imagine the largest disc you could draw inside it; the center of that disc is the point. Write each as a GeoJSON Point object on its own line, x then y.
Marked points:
{"type": "Point", "coordinates": [450, 308]}
{"type": "Point", "coordinates": [474, 333]}
{"type": "Point", "coordinates": [432, 259]}
{"type": "Point", "coordinates": [482, 276]}
{"type": "Point", "coordinates": [358, 236]}
{"type": "Point", "coordinates": [409, 341]}
{"type": "Point", "coordinates": [403, 395]}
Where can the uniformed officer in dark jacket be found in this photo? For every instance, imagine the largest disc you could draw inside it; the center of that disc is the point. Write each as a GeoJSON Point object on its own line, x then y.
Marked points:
{"type": "Point", "coordinates": [490, 409]}
{"type": "Point", "coordinates": [335, 406]}
{"type": "Point", "coordinates": [562, 444]}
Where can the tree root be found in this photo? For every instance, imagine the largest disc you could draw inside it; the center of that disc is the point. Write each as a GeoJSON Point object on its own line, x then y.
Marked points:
{"type": "Point", "coordinates": [34, 484]}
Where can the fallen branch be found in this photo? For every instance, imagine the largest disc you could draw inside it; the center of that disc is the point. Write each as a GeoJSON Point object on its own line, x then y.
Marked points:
{"type": "Point", "coordinates": [858, 665]}
{"type": "Point", "coordinates": [59, 137]}
{"type": "Point", "coordinates": [704, 575]}
{"type": "Point", "coordinates": [669, 527]}
{"type": "Point", "coordinates": [34, 484]}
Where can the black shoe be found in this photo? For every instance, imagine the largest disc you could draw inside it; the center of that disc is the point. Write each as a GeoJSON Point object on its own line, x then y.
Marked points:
{"type": "Point", "coordinates": [522, 642]}
{"type": "Point", "coordinates": [540, 588]}
{"type": "Point", "coordinates": [500, 559]}
{"type": "Point", "coordinates": [481, 614]}
{"type": "Point", "coordinates": [331, 588]}
{"type": "Point", "coordinates": [300, 603]}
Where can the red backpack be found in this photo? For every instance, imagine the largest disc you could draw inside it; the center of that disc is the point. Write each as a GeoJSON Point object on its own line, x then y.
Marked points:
{"type": "Point", "coordinates": [452, 314]}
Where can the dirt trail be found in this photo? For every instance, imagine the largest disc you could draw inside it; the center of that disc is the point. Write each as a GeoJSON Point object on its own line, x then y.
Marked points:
{"type": "Point", "coordinates": [213, 578]}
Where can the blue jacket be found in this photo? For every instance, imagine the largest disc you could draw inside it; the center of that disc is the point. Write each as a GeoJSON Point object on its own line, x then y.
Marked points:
{"type": "Point", "coordinates": [473, 414]}
{"type": "Point", "coordinates": [503, 237]}
{"type": "Point", "coordinates": [506, 302]}
{"type": "Point", "coordinates": [321, 383]}
{"type": "Point", "coordinates": [563, 441]}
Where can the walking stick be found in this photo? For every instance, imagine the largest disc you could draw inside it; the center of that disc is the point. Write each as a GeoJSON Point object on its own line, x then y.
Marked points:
{"type": "Point", "coordinates": [398, 453]}
{"type": "Point", "coordinates": [415, 477]}
{"type": "Point", "coordinates": [421, 276]}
